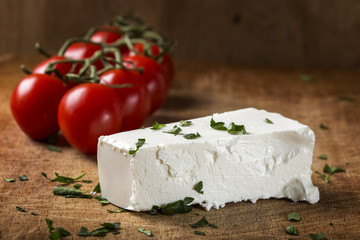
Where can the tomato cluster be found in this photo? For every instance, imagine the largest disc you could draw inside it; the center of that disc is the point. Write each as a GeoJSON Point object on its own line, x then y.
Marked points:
{"type": "Point", "coordinates": [108, 81]}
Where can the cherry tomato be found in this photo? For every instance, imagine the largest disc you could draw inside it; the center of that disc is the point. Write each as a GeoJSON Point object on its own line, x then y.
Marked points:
{"type": "Point", "coordinates": [34, 104]}
{"type": "Point", "coordinates": [166, 62]}
{"type": "Point", "coordinates": [81, 50]}
{"type": "Point", "coordinates": [63, 68]}
{"type": "Point", "coordinates": [154, 77]}
{"type": "Point", "coordinates": [88, 111]}
{"type": "Point", "coordinates": [136, 99]}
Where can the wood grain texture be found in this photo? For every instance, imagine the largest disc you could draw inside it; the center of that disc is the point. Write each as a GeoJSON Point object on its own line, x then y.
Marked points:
{"type": "Point", "coordinates": [199, 89]}
{"type": "Point", "coordinates": [298, 33]}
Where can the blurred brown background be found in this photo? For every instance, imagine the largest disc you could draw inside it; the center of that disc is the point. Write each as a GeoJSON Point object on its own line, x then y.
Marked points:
{"type": "Point", "coordinates": [323, 33]}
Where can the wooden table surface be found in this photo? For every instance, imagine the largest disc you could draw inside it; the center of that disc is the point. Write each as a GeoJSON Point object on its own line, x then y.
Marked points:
{"type": "Point", "coordinates": [199, 89]}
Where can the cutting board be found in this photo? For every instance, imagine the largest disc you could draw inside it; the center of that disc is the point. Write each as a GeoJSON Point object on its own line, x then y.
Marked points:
{"type": "Point", "coordinates": [199, 89]}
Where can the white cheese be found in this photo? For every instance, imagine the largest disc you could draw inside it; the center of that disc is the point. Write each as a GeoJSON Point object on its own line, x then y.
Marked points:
{"type": "Point", "coordinates": [272, 160]}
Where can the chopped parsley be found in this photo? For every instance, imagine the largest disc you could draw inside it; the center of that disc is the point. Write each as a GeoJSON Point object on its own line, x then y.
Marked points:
{"type": "Point", "coordinates": [70, 192]}
{"type": "Point", "coordinates": [56, 232]}
{"type": "Point", "coordinates": [198, 187]}
{"type": "Point", "coordinates": [86, 181]}
{"type": "Point", "coordinates": [100, 232]}
{"type": "Point", "coordinates": [185, 123]}
{"type": "Point", "coordinates": [291, 229]}
{"type": "Point", "coordinates": [139, 144]}
{"type": "Point", "coordinates": [101, 200]}
{"type": "Point", "coordinates": [217, 125]}
{"type": "Point", "coordinates": [97, 189]}
{"type": "Point", "coordinates": [77, 185]}
{"type": "Point", "coordinates": [52, 148]}
{"type": "Point", "coordinates": [235, 129]}
{"type": "Point", "coordinates": [9, 180]}
{"type": "Point", "coordinates": [331, 170]}
{"type": "Point", "coordinates": [323, 176]}
{"type": "Point", "coordinates": [23, 178]}
{"type": "Point", "coordinates": [63, 179]}
{"type": "Point", "coordinates": [331, 224]}
{"type": "Point", "coordinates": [201, 223]}
{"type": "Point", "coordinates": [20, 209]}
{"type": "Point", "coordinates": [199, 233]}
{"type": "Point", "coordinates": [294, 217]}
{"type": "Point", "coordinates": [345, 98]}
{"type": "Point", "coordinates": [34, 213]}
{"type": "Point", "coordinates": [319, 236]}
{"type": "Point", "coordinates": [157, 126]}
{"type": "Point", "coordinates": [176, 130]}
{"type": "Point", "coordinates": [268, 121]}
{"type": "Point", "coordinates": [146, 232]}
{"type": "Point", "coordinates": [322, 126]}
{"type": "Point", "coordinates": [322, 157]}
{"type": "Point", "coordinates": [180, 206]}
{"type": "Point", "coordinates": [307, 78]}
{"type": "Point", "coordinates": [118, 210]}
{"type": "Point", "coordinates": [192, 135]}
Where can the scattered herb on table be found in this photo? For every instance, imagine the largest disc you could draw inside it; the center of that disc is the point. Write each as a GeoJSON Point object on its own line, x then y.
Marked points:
{"type": "Point", "coordinates": [198, 187]}
{"type": "Point", "coordinates": [63, 179]}
{"type": "Point", "coordinates": [118, 210]}
{"type": "Point", "coordinates": [322, 126]}
{"type": "Point", "coordinates": [331, 170]}
{"type": "Point", "coordinates": [319, 236]}
{"type": "Point", "coordinates": [20, 209]}
{"type": "Point", "coordinates": [157, 126]}
{"type": "Point", "coordinates": [268, 121]}
{"type": "Point", "coordinates": [291, 229]}
{"type": "Point", "coordinates": [34, 213]}
{"type": "Point", "coordinates": [9, 180]}
{"type": "Point", "coordinates": [86, 181]}
{"type": "Point", "coordinates": [183, 123]}
{"type": "Point", "coordinates": [176, 130]}
{"type": "Point", "coordinates": [70, 192]}
{"type": "Point", "coordinates": [77, 185]}
{"type": "Point", "coordinates": [323, 176]}
{"type": "Point", "coordinates": [202, 223]}
{"type": "Point", "coordinates": [307, 78]}
{"type": "Point", "coordinates": [294, 217]}
{"type": "Point", "coordinates": [100, 232]}
{"type": "Point", "coordinates": [235, 129]}
{"type": "Point", "coordinates": [345, 98]}
{"type": "Point", "coordinates": [331, 224]}
{"type": "Point", "coordinates": [154, 210]}
{"type": "Point", "coordinates": [23, 178]}
{"type": "Point", "coordinates": [52, 148]}
{"type": "Point", "coordinates": [322, 157]}
{"type": "Point", "coordinates": [146, 232]}
{"type": "Point", "coordinates": [180, 206]}
{"type": "Point", "coordinates": [217, 125]}
{"type": "Point", "coordinates": [56, 232]}
{"type": "Point", "coordinates": [192, 135]}
{"type": "Point", "coordinates": [199, 233]}
{"type": "Point", "coordinates": [97, 189]}
{"type": "Point", "coordinates": [139, 144]}
{"type": "Point", "coordinates": [101, 200]}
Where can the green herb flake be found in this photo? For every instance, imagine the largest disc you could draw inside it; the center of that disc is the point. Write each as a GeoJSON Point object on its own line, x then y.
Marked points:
{"type": "Point", "coordinates": [97, 189]}
{"type": "Point", "coordinates": [34, 213]}
{"type": "Point", "coordinates": [213, 225]}
{"type": "Point", "coordinates": [198, 187]}
{"type": "Point", "coordinates": [235, 129]}
{"type": "Point", "coordinates": [183, 123]}
{"type": "Point", "coordinates": [322, 157]}
{"type": "Point", "coordinates": [331, 224]}
{"type": "Point", "coordinates": [20, 209]}
{"type": "Point", "coordinates": [217, 125]}
{"type": "Point", "coordinates": [199, 233]}
{"type": "Point", "coordinates": [331, 170]}
{"type": "Point", "coordinates": [63, 179]}
{"type": "Point", "coordinates": [345, 99]}
{"type": "Point", "coordinates": [56, 232]}
{"type": "Point", "coordinates": [139, 144]}
{"type": "Point", "coordinates": [154, 210]}
{"type": "Point", "coordinates": [319, 236]}
{"type": "Point", "coordinates": [77, 185]}
{"type": "Point", "coordinates": [201, 223]}
{"type": "Point", "coordinates": [323, 176]}
{"type": "Point", "coordinates": [192, 135]}
{"type": "Point", "coordinates": [101, 200]}
{"type": "Point", "coordinates": [180, 206]}
{"type": "Point", "coordinates": [291, 229]}
{"type": "Point", "coordinates": [294, 217]}
{"type": "Point", "coordinates": [157, 126]}
{"type": "Point", "coordinates": [23, 178]}
{"type": "Point", "coordinates": [322, 126]}
{"type": "Point", "coordinates": [307, 78]}
{"type": "Point", "coordinates": [9, 180]}
{"type": "Point", "coordinates": [86, 181]}
{"type": "Point", "coordinates": [83, 232]}
{"type": "Point", "coordinates": [52, 148]}
{"type": "Point", "coordinates": [118, 210]}
{"type": "Point", "coordinates": [70, 192]}
{"type": "Point", "coordinates": [268, 121]}
{"type": "Point", "coordinates": [100, 232]}
{"type": "Point", "coordinates": [146, 232]}
{"type": "Point", "coordinates": [176, 130]}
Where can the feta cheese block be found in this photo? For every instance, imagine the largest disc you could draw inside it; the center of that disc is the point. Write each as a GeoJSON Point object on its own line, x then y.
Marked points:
{"type": "Point", "coordinates": [272, 160]}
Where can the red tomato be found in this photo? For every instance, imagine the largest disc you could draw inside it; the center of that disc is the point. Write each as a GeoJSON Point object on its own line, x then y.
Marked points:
{"type": "Point", "coordinates": [166, 63]}
{"type": "Point", "coordinates": [34, 104]}
{"type": "Point", "coordinates": [154, 77]}
{"type": "Point", "coordinates": [63, 68]}
{"type": "Point", "coordinates": [81, 50]}
{"type": "Point", "coordinates": [88, 111]}
{"type": "Point", "coordinates": [136, 99]}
